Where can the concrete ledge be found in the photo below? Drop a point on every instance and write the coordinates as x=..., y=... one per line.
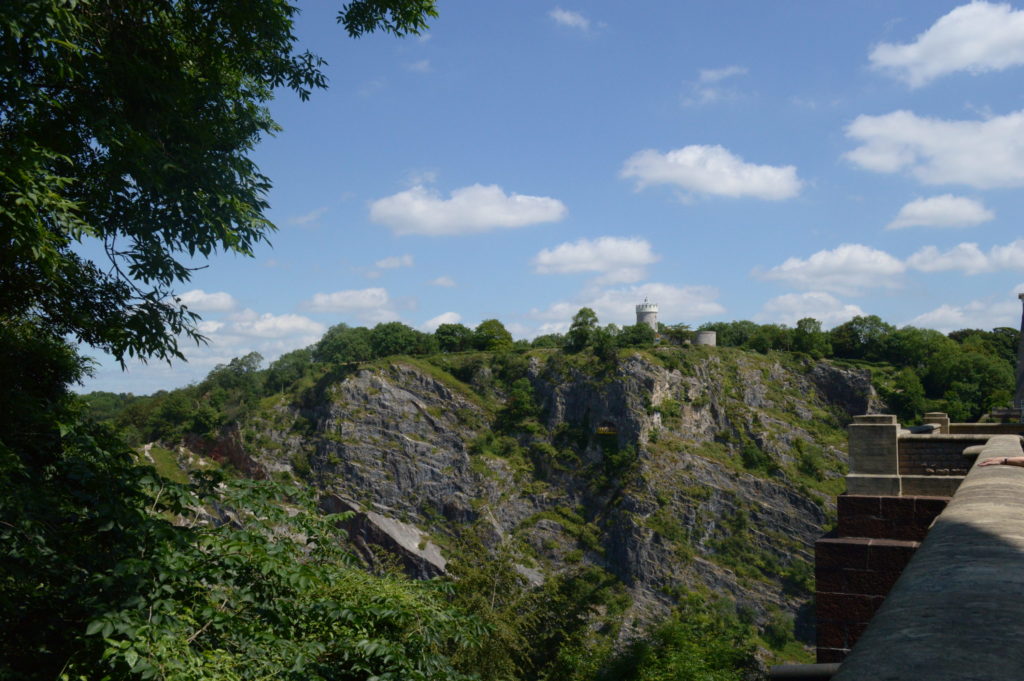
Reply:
x=957, y=611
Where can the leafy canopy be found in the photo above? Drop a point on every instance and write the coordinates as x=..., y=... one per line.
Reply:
x=130, y=124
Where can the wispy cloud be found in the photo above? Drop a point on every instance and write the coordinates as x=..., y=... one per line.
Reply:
x=570, y=19
x=394, y=262
x=310, y=217
x=708, y=88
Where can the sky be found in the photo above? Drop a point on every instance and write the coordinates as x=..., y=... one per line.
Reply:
x=723, y=159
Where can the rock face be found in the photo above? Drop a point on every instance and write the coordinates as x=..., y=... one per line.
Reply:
x=709, y=467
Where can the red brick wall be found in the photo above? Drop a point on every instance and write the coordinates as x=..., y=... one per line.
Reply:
x=856, y=565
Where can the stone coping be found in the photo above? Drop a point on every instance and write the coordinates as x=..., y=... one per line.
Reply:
x=957, y=611
x=944, y=437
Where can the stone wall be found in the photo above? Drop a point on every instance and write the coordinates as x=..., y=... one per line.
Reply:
x=857, y=565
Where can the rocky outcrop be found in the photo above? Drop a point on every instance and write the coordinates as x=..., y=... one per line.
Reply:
x=687, y=468
x=371, y=532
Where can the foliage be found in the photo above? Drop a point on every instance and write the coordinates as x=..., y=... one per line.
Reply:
x=581, y=331
x=702, y=640
x=268, y=594
x=860, y=338
x=550, y=340
x=491, y=335
x=132, y=126
x=454, y=337
x=808, y=337
x=533, y=632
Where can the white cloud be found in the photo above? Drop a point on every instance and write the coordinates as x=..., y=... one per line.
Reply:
x=620, y=260
x=716, y=75
x=942, y=211
x=444, y=318
x=421, y=66
x=208, y=326
x=446, y=282
x=199, y=300
x=394, y=262
x=309, y=217
x=352, y=300
x=706, y=90
x=965, y=257
x=472, y=209
x=712, y=170
x=249, y=323
x=977, y=314
x=848, y=269
x=976, y=37
x=983, y=154
x=564, y=17
x=969, y=258
x=792, y=307
x=675, y=305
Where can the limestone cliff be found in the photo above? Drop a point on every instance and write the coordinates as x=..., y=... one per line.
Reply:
x=672, y=470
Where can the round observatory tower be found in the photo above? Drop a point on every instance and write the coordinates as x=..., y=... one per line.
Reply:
x=647, y=313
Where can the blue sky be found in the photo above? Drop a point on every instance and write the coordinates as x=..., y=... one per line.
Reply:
x=727, y=160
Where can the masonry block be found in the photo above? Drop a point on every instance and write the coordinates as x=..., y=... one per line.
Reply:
x=842, y=552
x=931, y=485
x=874, y=445
x=890, y=555
x=870, y=582
x=872, y=484
x=831, y=634
x=847, y=607
x=831, y=655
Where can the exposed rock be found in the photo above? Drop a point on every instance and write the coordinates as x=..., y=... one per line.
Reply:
x=645, y=471
x=421, y=558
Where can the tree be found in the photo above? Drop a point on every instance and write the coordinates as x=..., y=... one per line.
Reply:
x=343, y=344
x=454, y=337
x=581, y=331
x=491, y=335
x=394, y=338
x=862, y=337
x=676, y=334
x=636, y=336
x=548, y=340
x=808, y=337
x=731, y=334
x=133, y=125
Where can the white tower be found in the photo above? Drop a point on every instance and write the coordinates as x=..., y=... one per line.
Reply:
x=647, y=313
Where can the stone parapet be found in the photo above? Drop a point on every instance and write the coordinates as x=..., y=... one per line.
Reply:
x=957, y=610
